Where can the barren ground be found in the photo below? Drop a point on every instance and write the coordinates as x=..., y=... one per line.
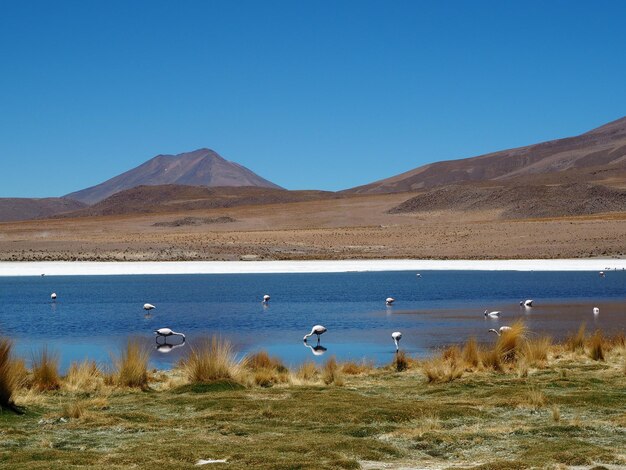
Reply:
x=355, y=227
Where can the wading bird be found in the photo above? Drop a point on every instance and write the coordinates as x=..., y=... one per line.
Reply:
x=526, y=303
x=148, y=306
x=53, y=296
x=165, y=333
x=266, y=299
x=389, y=300
x=316, y=330
x=500, y=330
x=494, y=314
x=596, y=310
x=397, y=336
x=601, y=274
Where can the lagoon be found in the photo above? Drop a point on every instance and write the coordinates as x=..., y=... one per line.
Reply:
x=94, y=315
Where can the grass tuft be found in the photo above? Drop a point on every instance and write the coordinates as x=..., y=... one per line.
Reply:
x=556, y=414
x=491, y=359
x=46, y=370
x=400, y=362
x=73, y=410
x=441, y=370
x=595, y=346
x=509, y=342
x=213, y=359
x=10, y=375
x=331, y=373
x=536, y=398
x=266, y=370
x=576, y=342
x=356, y=368
x=83, y=376
x=132, y=366
x=307, y=372
x=470, y=353
x=535, y=351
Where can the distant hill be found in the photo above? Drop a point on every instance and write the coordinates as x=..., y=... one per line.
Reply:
x=12, y=209
x=602, y=149
x=176, y=198
x=518, y=200
x=201, y=167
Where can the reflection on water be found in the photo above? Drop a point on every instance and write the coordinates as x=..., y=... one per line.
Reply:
x=167, y=348
x=93, y=316
x=317, y=350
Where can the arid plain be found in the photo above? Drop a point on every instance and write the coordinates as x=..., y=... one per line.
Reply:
x=336, y=228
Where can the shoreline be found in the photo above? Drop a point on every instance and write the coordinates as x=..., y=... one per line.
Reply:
x=112, y=268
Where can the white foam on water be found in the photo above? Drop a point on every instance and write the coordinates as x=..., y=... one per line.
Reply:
x=91, y=268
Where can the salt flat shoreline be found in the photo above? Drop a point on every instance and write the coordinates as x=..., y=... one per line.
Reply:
x=94, y=268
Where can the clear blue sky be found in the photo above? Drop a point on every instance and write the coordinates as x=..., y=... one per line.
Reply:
x=309, y=94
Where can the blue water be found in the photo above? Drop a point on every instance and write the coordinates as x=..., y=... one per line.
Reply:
x=94, y=315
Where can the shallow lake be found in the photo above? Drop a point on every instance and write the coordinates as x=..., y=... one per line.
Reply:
x=93, y=316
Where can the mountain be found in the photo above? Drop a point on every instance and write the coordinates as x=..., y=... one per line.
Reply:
x=602, y=149
x=13, y=208
x=201, y=167
x=176, y=198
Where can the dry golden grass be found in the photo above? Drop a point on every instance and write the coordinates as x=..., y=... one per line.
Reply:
x=401, y=362
x=73, y=410
x=45, y=370
x=470, y=353
x=556, y=414
x=331, y=373
x=441, y=370
x=536, y=398
x=211, y=360
x=262, y=360
x=131, y=368
x=83, y=376
x=356, y=368
x=522, y=368
x=9, y=375
x=576, y=343
x=595, y=346
x=535, y=351
x=307, y=372
x=427, y=423
x=491, y=359
x=266, y=371
x=509, y=342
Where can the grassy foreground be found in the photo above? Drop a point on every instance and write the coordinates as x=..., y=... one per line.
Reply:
x=536, y=405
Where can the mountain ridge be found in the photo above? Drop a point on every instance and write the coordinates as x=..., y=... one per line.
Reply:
x=201, y=167
x=604, y=145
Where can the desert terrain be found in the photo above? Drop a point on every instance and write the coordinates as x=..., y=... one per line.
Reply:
x=341, y=228
x=564, y=198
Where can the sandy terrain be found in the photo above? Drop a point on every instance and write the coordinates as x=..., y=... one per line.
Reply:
x=357, y=227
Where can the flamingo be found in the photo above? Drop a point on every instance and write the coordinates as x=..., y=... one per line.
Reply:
x=526, y=303
x=500, y=330
x=397, y=336
x=165, y=332
x=316, y=330
x=596, y=310
x=53, y=296
x=148, y=306
x=389, y=300
x=317, y=350
x=266, y=299
x=494, y=314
